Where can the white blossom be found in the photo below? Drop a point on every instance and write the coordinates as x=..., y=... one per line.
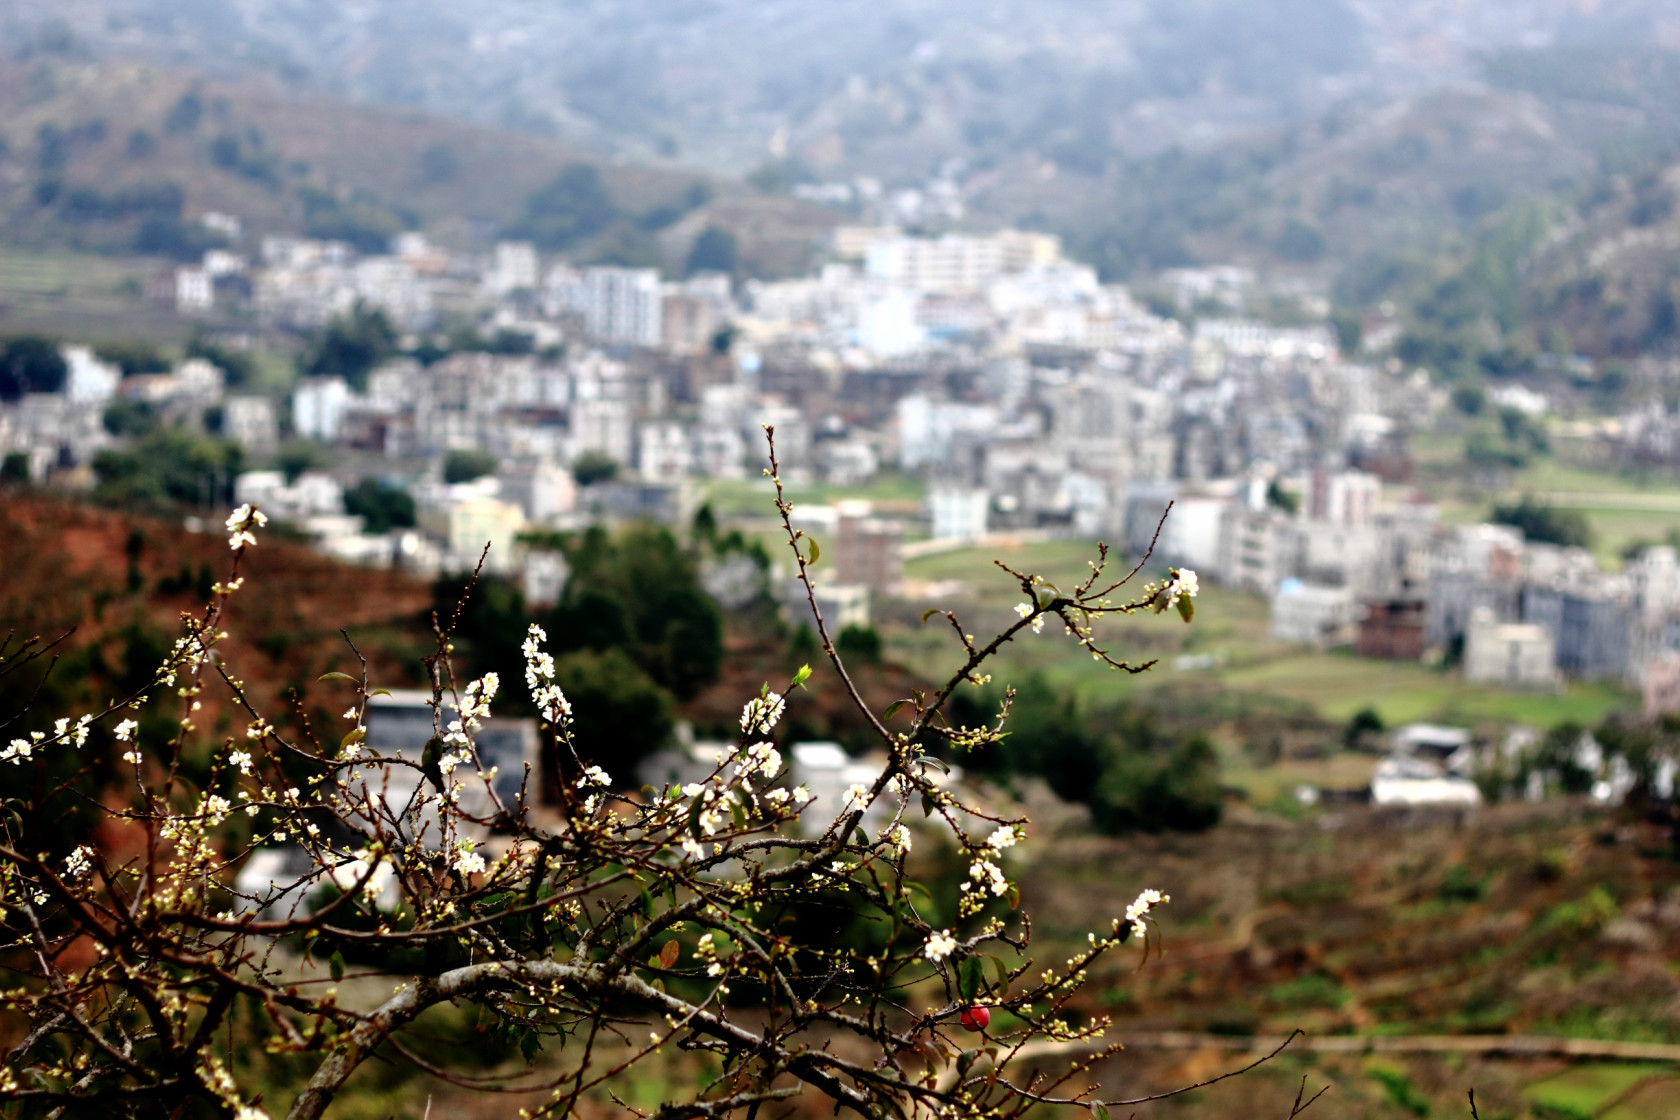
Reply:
x=897, y=838
x=940, y=945
x=539, y=678
x=79, y=862
x=987, y=870
x=857, y=797
x=1140, y=908
x=594, y=776
x=241, y=522
x=467, y=861
x=1183, y=583
x=1005, y=837
x=761, y=758
x=124, y=731
x=241, y=759
x=762, y=713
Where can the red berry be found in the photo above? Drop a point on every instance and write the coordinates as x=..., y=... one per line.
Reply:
x=975, y=1018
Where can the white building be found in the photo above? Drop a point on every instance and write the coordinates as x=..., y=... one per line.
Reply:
x=958, y=262
x=1515, y=655
x=89, y=380
x=1308, y=615
x=617, y=305
x=664, y=452
x=1403, y=780
x=251, y=423
x=887, y=326
x=318, y=405
x=958, y=512
x=513, y=267
x=195, y=290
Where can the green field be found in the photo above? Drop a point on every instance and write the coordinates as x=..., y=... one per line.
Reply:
x=1229, y=625
x=81, y=296
x=755, y=497
x=1622, y=506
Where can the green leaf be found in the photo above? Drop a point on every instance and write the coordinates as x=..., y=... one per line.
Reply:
x=1099, y=1111
x=355, y=736
x=968, y=978
x=938, y=764
x=1013, y=897
x=1000, y=973
x=380, y=692
x=338, y=677
x=927, y=805
x=929, y=613
x=894, y=708
x=801, y=677
x=529, y=1044
x=815, y=553
x=1186, y=607
x=965, y=1061
x=335, y=964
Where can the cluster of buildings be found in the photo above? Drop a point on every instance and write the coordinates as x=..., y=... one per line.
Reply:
x=1021, y=393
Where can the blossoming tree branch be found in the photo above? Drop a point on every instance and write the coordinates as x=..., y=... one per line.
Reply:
x=616, y=927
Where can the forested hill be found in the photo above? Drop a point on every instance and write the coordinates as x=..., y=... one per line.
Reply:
x=122, y=157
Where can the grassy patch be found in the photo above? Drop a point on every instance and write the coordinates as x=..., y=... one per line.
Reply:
x=1230, y=626
x=1583, y=1090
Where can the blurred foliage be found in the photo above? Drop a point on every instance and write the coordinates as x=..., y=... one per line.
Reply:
x=30, y=364
x=1544, y=523
x=462, y=465
x=1117, y=759
x=352, y=346
x=169, y=465
x=381, y=507
x=569, y=209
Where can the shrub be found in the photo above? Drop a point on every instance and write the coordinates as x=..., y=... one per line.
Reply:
x=606, y=928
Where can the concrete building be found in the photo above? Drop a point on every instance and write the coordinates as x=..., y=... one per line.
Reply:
x=251, y=423
x=1343, y=497
x=958, y=512
x=1258, y=549
x=513, y=268
x=318, y=405
x=89, y=380
x=1661, y=687
x=463, y=526
x=1402, y=781
x=1590, y=626
x=1391, y=629
x=1309, y=615
x=1510, y=654
x=868, y=550
x=827, y=771
x=543, y=490
x=195, y=291
x=842, y=604
x=617, y=305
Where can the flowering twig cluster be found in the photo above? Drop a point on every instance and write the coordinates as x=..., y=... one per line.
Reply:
x=607, y=927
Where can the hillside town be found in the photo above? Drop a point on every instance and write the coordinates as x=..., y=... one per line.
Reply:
x=1021, y=395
